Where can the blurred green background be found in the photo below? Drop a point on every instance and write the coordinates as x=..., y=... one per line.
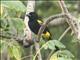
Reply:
x=11, y=23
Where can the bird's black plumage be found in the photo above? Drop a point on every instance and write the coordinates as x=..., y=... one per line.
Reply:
x=35, y=26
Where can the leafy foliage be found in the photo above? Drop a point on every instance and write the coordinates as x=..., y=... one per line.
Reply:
x=10, y=25
x=62, y=55
x=53, y=44
x=12, y=47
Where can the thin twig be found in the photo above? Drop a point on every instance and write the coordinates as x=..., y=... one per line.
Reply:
x=26, y=57
x=50, y=54
x=64, y=33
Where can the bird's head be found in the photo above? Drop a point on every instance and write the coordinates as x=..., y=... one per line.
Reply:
x=32, y=16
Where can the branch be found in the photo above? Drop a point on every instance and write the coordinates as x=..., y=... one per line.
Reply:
x=27, y=31
x=72, y=21
x=57, y=22
x=30, y=8
x=51, y=18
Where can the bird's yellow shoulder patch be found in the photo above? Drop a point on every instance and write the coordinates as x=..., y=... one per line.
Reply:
x=39, y=21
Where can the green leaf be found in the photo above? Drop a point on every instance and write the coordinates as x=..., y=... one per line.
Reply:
x=59, y=44
x=18, y=24
x=3, y=23
x=62, y=58
x=14, y=51
x=62, y=55
x=51, y=45
x=3, y=45
x=54, y=57
x=15, y=5
x=66, y=53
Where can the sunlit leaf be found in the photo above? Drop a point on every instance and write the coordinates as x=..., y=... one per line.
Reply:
x=54, y=57
x=62, y=58
x=3, y=45
x=62, y=55
x=59, y=44
x=66, y=53
x=14, y=51
x=1, y=10
x=53, y=44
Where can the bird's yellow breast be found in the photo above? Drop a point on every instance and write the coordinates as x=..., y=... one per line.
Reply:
x=46, y=35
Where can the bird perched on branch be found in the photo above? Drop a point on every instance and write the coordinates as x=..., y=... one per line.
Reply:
x=35, y=23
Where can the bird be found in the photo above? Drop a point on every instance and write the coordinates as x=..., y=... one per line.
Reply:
x=35, y=23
